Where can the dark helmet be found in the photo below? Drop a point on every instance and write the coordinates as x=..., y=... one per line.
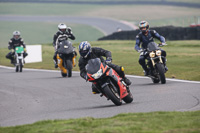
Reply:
x=144, y=24
x=16, y=35
x=84, y=49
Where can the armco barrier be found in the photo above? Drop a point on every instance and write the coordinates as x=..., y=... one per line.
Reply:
x=169, y=32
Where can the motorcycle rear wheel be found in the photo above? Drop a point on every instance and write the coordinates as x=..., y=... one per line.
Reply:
x=112, y=95
x=128, y=98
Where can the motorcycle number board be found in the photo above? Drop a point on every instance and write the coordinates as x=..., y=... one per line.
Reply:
x=19, y=49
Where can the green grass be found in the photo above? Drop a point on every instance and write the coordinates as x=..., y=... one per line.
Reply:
x=183, y=58
x=159, y=122
x=41, y=32
x=121, y=12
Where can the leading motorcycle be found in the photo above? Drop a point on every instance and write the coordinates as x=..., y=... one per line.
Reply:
x=108, y=82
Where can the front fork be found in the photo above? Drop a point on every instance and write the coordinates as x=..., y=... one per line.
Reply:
x=153, y=62
x=19, y=57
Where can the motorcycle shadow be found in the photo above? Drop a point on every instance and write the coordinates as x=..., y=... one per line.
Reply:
x=110, y=106
x=146, y=84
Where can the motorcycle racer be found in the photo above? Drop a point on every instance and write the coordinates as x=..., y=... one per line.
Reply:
x=87, y=52
x=144, y=38
x=15, y=41
x=63, y=33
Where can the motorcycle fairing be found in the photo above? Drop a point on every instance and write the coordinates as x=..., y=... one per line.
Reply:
x=122, y=88
x=60, y=64
x=104, y=69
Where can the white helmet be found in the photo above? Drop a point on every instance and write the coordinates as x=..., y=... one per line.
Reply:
x=62, y=27
x=16, y=35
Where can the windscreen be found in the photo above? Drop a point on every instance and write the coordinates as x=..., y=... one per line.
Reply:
x=65, y=47
x=152, y=46
x=93, y=65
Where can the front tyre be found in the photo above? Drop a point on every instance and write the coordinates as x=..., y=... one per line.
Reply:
x=20, y=65
x=112, y=95
x=161, y=71
x=69, y=68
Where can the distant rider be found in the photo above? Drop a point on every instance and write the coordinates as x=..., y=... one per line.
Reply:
x=15, y=41
x=145, y=37
x=63, y=33
x=87, y=52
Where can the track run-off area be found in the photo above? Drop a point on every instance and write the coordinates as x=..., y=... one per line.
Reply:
x=35, y=95
x=105, y=25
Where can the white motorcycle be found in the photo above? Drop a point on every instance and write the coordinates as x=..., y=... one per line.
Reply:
x=19, y=58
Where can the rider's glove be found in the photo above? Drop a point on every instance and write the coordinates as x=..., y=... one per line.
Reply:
x=140, y=51
x=24, y=49
x=69, y=30
x=162, y=44
x=108, y=60
x=12, y=50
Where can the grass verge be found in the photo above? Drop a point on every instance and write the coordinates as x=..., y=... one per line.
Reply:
x=167, y=122
x=183, y=58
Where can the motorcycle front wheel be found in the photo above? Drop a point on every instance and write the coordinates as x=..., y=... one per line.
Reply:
x=161, y=71
x=20, y=65
x=69, y=68
x=112, y=95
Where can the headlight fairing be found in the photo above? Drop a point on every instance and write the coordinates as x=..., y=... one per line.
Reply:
x=152, y=54
x=158, y=52
x=98, y=74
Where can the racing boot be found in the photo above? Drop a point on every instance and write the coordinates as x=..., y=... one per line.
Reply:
x=55, y=61
x=146, y=72
x=56, y=64
x=12, y=61
x=126, y=80
x=166, y=68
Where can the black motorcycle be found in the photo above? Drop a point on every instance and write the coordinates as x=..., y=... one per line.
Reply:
x=155, y=63
x=65, y=56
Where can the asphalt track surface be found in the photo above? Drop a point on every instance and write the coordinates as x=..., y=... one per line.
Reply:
x=105, y=25
x=35, y=95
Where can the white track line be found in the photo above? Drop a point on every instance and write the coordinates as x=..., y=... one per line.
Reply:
x=132, y=76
